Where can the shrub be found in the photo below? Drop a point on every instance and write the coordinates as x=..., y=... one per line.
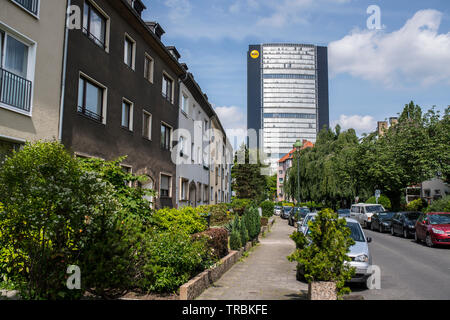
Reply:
x=264, y=221
x=239, y=205
x=219, y=213
x=53, y=210
x=323, y=254
x=383, y=200
x=416, y=205
x=174, y=258
x=186, y=219
x=235, y=240
x=243, y=233
x=267, y=208
x=217, y=241
x=441, y=205
x=253, y=222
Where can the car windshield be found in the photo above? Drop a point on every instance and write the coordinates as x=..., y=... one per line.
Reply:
x=375, y=208
x=356, y=234
x=343, y=211
x=304, y=210
x=441, y=218
x=277, y=207
x=412, y=215
x=287, y=208
x=386, y=215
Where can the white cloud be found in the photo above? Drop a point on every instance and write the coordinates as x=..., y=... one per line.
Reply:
x=361, y=124
x=179, y=9
x=414, y=54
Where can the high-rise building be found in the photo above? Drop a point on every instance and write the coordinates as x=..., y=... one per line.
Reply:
x=287, y=95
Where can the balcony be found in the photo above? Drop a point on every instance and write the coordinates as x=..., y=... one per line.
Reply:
x=15, y=91
x=30, y=5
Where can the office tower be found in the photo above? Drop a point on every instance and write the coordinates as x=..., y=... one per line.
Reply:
x=287, y=95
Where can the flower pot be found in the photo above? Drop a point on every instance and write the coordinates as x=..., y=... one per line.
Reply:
x=322, y=290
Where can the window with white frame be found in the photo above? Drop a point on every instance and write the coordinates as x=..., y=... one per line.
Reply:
x=31, y=6
x=167, y=88
x=185, y=103
x=184, y=189
x=127, y=114
x=146, y=125
x=15, y=83
x=95, y=24
x=148, y=68
x=166, y=136
x=129, y=51
x=165, y=185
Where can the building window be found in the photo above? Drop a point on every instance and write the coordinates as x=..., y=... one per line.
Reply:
x=184, y=189
x=90, y=99
x=192, y=152
x=147, y=125
x=165, y=185
x=148, y=68
x=94, y=25
x=181, y=145
x=166, y=132
x=185, y=103
x=167, y=88
x=15, y=88
x=127, y=115
x=128, y=170
x=30, y=5
x=129, y=51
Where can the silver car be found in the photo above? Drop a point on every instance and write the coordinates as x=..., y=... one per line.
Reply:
x=303, y=227
x=359, y=253
x=277, y=210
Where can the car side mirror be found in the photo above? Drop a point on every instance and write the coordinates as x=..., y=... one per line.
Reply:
x=369, y=239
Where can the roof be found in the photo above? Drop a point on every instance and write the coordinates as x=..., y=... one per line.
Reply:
x=290, y=155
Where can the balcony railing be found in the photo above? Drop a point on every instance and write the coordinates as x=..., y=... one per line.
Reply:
x=90, y=114
x=30, y=5
x=15, y=91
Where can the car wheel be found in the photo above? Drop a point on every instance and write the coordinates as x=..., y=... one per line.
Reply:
x=428, y=241
x=405, y=233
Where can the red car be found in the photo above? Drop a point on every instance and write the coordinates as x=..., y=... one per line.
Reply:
x=433, y=228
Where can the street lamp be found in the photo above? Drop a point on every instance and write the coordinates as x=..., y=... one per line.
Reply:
x=297, y=146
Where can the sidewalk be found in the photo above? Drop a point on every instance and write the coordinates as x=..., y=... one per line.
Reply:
x=265, y=274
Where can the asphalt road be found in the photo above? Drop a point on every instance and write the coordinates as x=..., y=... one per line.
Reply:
x=408, y=270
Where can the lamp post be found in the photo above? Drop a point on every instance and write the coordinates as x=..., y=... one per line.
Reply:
x=297, y=146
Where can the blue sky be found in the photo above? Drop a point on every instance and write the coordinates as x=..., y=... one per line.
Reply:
x=373, y=73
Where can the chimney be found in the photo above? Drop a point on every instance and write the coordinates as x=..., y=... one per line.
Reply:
x=174, y=52
x=393, y=121
x=185, y=67
x=382, y=127
x=156, y=28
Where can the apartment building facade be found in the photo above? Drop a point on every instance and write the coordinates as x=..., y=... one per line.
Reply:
x=193, y=158
x=287, y=92
x=284, y=164
x=31, y=64
x=122, y=93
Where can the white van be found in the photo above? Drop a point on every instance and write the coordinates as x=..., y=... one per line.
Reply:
x=362, y=212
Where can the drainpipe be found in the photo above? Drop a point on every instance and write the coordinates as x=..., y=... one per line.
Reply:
x=63, y=81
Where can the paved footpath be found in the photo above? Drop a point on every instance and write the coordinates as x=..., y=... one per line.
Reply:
x=265, y=274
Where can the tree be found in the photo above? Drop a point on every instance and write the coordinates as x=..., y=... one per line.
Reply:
x=248, y=182
x=271, y=187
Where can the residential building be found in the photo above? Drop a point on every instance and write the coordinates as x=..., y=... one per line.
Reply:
x=192, y=172
x=31, y=65
x=221, y=155
x=430, y=190
x=122, y=93
x=284, y=164
x=287, y=92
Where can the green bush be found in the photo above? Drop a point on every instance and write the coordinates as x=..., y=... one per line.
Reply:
x=383, y=200
x=186, y=219
x=217, y=240
x=253, y=222
x=239, y=205
x=267, y=208
x=416, y=205
x=441, y=205
x=323, y=254
x=53, y=211
x=219, y=213
x=243, y=232
x=235, y=240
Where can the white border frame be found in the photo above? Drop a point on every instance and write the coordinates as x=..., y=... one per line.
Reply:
x=133, y=51
x=162, y=173
x=105, y=94
x=28, y=11
x=107, y=18
x=150, y=125
x=131, y=120
x=152, y=66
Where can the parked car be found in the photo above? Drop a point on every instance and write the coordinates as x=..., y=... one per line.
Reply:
x=304, y=225
x=343, y=213
x=362, y=212
x=286, y=212
x=297, y=215
x=361, y=258
x=404, y=223
x=277, y=210
x=433, y=228
x=381, y=221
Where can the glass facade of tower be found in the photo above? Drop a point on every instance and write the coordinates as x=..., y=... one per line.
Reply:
x=292, y=106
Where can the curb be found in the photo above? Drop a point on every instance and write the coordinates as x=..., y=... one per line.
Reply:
x=195, y=287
